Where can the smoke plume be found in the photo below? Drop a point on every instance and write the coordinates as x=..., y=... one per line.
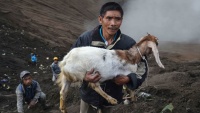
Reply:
x=169, y=20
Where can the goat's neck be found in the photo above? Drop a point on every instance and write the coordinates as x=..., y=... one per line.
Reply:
x=134, y=55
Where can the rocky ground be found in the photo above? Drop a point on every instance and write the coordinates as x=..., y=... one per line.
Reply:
x=177, y=84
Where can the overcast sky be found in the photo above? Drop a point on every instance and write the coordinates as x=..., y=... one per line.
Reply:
x=169, y=20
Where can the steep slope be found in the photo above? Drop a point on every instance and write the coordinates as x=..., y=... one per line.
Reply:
x=44, y=27
x=59, y=22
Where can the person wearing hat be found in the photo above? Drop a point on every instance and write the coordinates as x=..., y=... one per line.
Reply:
x=55, y=69
x=29, y=92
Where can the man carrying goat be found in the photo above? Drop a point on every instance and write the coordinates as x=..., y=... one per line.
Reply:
x=107, y=36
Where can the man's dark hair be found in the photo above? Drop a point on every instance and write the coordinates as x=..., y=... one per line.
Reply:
x=110, y=6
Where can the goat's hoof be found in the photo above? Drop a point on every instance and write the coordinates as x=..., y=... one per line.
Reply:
x=63, y=111
x=113, y=101
x=133, y=99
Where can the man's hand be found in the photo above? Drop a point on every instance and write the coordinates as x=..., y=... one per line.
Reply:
x=121, y=79
x=32, y=103
x=90, y=76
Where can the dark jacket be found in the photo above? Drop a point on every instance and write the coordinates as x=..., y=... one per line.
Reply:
x=122, y=42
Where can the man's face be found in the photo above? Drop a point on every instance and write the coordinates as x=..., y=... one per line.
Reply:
x=56, y=61
x=110, y=22
x=27, y=80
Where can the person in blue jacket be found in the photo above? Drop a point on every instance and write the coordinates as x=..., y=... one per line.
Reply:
x=107, y=35
x=33, y=59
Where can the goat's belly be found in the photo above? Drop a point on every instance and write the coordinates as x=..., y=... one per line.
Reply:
x=109, y=76
x=109, y=72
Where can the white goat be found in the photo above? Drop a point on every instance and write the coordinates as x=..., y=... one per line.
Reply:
x=109, y=63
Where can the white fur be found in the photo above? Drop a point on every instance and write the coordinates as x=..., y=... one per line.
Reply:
x=80, y=60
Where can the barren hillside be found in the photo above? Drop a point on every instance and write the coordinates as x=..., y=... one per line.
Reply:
x=59, y=22
x=48, y=28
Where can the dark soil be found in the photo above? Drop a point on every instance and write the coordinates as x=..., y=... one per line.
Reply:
x=178, y=83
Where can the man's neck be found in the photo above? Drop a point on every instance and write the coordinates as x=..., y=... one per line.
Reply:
x=107, y=37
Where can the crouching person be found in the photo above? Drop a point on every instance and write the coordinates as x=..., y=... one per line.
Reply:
x=29, y=92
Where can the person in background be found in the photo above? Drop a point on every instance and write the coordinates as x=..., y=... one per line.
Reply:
x=29, y=92
x=33, y=59
x=55, y=69
x=108, y=36
x=5, y=82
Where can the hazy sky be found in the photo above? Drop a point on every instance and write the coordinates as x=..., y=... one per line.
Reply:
x=169, y=20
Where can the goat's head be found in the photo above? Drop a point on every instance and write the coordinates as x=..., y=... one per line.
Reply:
x=150, y=44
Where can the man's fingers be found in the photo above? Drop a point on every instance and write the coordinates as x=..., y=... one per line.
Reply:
x=91, y=71
x=97, y=77
x=120, y=80
x=92, y=76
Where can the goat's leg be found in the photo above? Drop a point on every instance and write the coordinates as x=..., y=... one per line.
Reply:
x=132, y=95
x=97, y=88
x=63, y=94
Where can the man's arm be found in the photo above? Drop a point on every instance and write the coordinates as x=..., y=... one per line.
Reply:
x=53, y=67
x=19, y=95
x=131, y=80
x=36, y=97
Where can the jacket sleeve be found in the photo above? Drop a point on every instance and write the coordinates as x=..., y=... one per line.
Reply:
x=83, y=40
x=77, y=43
x=52, y=68
x=38, y=91
x=136, y=81
x=19, y=95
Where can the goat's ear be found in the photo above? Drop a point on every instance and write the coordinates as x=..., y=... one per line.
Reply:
x=154, y=49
